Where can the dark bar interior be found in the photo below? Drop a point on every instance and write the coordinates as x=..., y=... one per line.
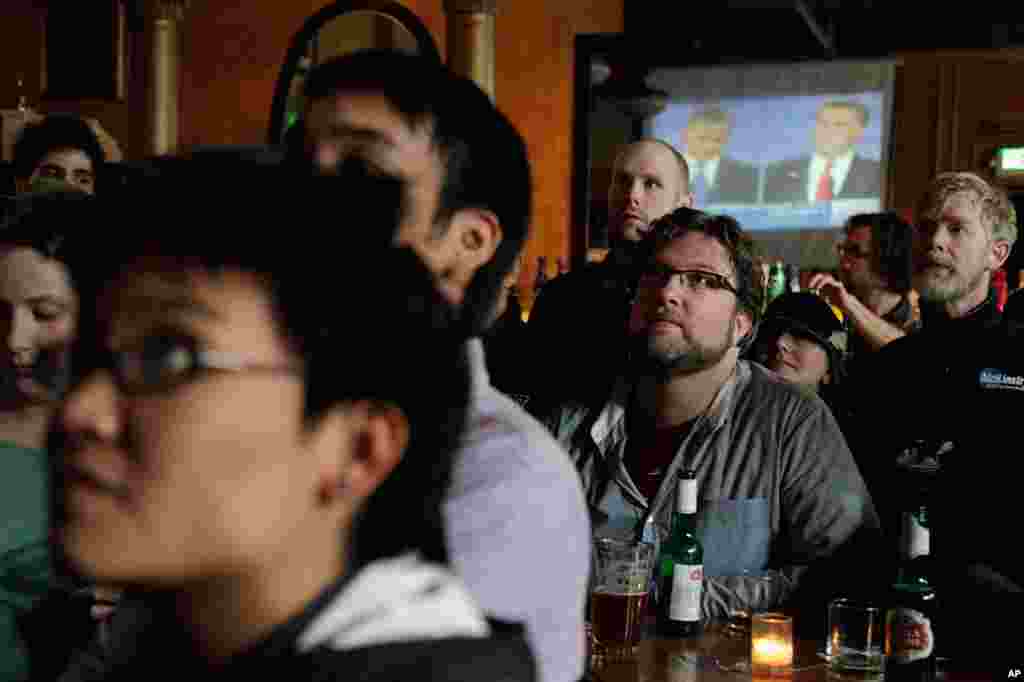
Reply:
x=578, y=341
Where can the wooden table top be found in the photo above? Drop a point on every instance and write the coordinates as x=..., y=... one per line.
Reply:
x=715, y=657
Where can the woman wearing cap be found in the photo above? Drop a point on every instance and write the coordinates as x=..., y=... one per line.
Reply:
x=803, y=341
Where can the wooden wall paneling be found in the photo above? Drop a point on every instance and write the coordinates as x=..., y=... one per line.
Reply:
x=534, y=64
x=84, y=44
x=123, y=118
x=991, y=111
x=952, y=110
x=950, y=117
x=233, y=53
x=922, y=127
x=22, y=51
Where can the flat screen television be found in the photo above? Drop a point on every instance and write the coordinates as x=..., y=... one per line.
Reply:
x=791, y=150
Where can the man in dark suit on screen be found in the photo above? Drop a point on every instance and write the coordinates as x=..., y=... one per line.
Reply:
x=715, y=179
x=834, y=171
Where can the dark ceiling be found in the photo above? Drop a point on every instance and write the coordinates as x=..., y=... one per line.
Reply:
x=727, y=30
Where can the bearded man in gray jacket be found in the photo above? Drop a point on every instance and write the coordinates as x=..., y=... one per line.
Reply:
x=778, y=487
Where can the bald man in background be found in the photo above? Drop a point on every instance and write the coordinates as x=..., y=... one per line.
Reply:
x=577, y=325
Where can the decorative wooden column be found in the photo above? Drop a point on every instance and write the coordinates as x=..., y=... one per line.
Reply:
x=164, y=18
x=471, y=40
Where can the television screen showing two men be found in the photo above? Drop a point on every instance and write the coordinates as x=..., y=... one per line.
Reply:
x=792, y=147
x=784, y=162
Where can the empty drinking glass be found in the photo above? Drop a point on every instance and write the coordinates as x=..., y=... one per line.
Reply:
x=856, y=639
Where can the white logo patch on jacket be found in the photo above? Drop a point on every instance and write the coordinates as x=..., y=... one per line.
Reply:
x=994, y=378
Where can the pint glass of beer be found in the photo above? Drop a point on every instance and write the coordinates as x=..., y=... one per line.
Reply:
x=618, y=597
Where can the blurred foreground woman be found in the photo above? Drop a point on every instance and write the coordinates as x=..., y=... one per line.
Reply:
x=255, y=449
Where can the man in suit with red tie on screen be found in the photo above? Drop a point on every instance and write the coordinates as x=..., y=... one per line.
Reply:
x=834, y=171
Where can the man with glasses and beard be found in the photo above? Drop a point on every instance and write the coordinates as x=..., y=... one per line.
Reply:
x=779, y=489
x=873, y=288
x=936, y=411
x=964, y=233
x=577, y=324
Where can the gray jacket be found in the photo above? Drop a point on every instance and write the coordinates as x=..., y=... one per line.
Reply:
x=778, y=486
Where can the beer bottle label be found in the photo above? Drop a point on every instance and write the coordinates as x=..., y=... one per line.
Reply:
x=917, y=536
x=910, y=635
x=686, y=501
x=686, y=586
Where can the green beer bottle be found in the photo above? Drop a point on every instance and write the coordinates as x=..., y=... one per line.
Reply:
x=910, y=618
x=776, y=281
x=682, y=566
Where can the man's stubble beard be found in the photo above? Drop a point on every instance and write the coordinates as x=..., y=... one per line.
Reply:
x=950, y=290
x=665, y=363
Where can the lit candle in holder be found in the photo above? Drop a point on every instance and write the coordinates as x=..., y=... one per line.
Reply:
x=772, y=652
x=771, y=643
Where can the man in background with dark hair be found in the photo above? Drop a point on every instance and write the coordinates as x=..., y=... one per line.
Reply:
x=515, y=517
x=577, y=324
x=779, y=488
x=835, y=170
x=60, y=147
x=714, y=178
x=873, y=289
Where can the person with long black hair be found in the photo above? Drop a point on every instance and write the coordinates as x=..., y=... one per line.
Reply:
x=38, y=317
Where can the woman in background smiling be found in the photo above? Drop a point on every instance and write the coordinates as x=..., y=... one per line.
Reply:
x=38, y=315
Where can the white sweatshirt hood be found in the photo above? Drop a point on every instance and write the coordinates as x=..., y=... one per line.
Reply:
x=396, y=600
